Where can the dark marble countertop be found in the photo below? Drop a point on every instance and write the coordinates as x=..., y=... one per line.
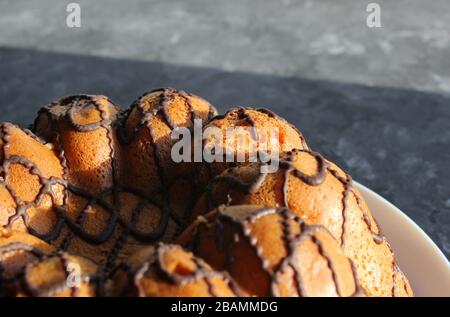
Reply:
x=377, y=102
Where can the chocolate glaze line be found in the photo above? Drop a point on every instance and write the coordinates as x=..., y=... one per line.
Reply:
x=272, y=114
x=63, y=161
x=22, y=277
x=212, y=110
x=86, y=127
x=308, y=231
x=61, y=286
x=346, y=182
x=396, y=270
x=359, y=290
x=200, y=273
x=148, y=118
x=244, y=115
x=15, y=247
x=191, y=111
x=292, y=242
x=246, y=232
x=207, y=279
x=250, y=187
x=34, y=136
x=312, y=180
x=165, y=101
x=378, y=237
x=288, y=237
x=265, y=111
x=330, y=263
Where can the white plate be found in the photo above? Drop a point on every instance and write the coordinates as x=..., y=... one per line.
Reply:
x=426, y=267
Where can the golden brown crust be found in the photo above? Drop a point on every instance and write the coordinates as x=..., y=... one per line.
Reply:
x=253, y=130
x=31, y=267
x=321, y=193
x=168, y=270
x=17, y=249
x=61, y=275
x=100, y=185
x=146, y=136
x=80, y=127
x=272, y=252
x=30, y=182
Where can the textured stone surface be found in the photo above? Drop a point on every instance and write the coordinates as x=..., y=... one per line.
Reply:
x=375, y=101
x=324, y=39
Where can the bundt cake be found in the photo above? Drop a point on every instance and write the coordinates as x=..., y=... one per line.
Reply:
x=91, y=184
x=99, y=182
x=321, y=193
x=168, y=270
x=272, y=252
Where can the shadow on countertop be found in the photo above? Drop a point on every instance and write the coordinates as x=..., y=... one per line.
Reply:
x=395, y=141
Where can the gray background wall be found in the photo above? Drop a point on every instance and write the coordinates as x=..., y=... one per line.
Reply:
x=375, y=100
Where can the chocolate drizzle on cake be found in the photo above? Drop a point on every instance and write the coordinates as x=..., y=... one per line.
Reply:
x=234, y=183
x=243, y=113
x=286, y=164
x=156, y=262
x=6, y=282
x=21, y=280
x=69, y=108
x=242, y=226
x=152, y=108
x=397, y=272
x=93, y=281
